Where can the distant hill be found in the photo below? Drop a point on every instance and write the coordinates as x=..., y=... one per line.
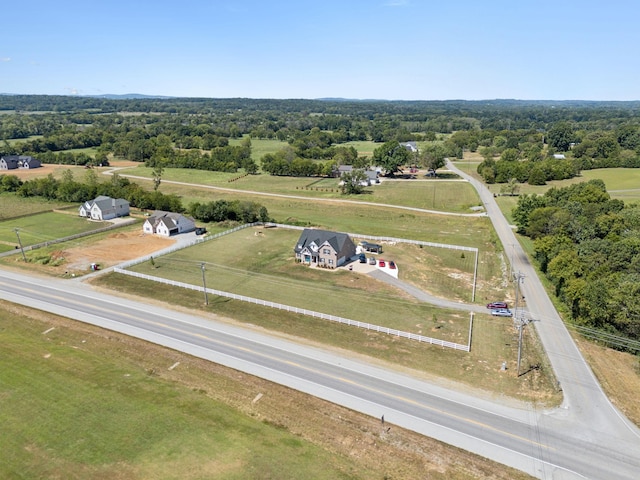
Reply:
x=127, y=96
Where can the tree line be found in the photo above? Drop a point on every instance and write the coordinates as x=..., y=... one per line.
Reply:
x=68, y=189
x=588, y=245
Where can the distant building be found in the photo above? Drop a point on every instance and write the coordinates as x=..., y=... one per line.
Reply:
x=11, y=162
x=410, y=146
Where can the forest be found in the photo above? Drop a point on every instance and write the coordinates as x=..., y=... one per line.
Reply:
x=531, y=142
x=587, y=244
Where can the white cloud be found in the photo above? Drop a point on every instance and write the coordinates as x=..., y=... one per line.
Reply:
x=5, y=59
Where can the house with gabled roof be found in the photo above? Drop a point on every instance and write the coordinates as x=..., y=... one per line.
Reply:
x=11, y=162
x=28, y=162
x=168, y=224
x=410, y=146
x=324, y=248
x=104, y=208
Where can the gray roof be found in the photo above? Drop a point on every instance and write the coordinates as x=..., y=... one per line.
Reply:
x=318, y=237
x=168, y=218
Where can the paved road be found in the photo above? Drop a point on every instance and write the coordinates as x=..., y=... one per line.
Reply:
x=533, y=441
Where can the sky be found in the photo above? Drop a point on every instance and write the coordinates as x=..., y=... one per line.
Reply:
x=358, y=49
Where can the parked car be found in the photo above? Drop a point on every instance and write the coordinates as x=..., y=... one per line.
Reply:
x=495, y=305
x=392, y=265
x=372, y=261
x=381, y=263
x=501, y=312
x=363, y=258
x=201, y=231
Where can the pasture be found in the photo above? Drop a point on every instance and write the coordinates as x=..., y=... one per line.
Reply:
x=439, y=194
x=79, y=403
x=44, y=227
x=14, y=206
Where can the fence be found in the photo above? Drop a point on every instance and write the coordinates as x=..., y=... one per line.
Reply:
x=70, y=237
x=302, y=311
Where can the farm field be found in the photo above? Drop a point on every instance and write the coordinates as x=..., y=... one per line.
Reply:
x=438, y=194
x=263, y=267
x=43, y=227
x=14, y=206
x=82, y=402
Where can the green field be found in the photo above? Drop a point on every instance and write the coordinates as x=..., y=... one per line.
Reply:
x=438, y=194
x=14, y=206
x=44, y=227
x=263, y=267
x=77, y=405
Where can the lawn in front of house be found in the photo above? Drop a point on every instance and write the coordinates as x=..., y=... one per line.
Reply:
x=263, y=266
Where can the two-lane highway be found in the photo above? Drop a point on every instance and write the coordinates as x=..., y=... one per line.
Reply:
x=532, y=441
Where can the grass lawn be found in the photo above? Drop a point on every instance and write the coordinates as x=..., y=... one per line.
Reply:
x=263, y=267
x=14, y=206
x=443, y=195
x=260, y=147
x=45, y=227
x=80, y=405
x=494, y=341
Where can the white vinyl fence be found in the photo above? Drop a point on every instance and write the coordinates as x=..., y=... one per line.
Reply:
x=302, y=311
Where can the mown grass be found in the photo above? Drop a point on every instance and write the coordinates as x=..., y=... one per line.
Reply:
x=264, y=267
x=45, y=227
x=494, y=341
x=442, y=195
x=76, y=405
x=13, y=206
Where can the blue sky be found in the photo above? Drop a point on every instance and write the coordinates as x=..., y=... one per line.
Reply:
x=382, y=49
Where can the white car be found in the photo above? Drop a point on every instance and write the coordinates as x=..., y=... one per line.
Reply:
x=501, y=312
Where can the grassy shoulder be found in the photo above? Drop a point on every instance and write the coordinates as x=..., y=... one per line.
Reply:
x=81, y=402
x=494, y=341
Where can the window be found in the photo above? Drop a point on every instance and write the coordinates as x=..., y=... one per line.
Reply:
x=331, y=261
x=326, y=251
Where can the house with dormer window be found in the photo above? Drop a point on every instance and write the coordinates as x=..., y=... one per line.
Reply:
x=324, y=248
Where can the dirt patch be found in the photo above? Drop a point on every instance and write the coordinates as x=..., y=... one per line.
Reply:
x=109, y=251
x=56, y=170
x=114, y=249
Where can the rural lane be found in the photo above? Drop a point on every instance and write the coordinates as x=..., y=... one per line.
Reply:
x=585, y=403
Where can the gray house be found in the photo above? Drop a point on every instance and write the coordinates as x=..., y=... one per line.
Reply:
x=324, y=248
x=11, y=162
x=104, y=208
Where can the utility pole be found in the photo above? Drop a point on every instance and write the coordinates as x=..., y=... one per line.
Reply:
x=204, y=284
x=521, y=321
x=20, y=243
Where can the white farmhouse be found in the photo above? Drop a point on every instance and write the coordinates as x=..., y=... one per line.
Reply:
x=167, y=224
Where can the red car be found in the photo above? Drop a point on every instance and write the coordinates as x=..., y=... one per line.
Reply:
x=381, y=263
x=497, y=305
x=392, y=265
